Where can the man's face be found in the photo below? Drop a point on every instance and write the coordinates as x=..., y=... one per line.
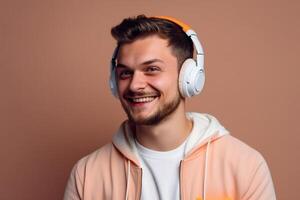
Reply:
x=147, y=78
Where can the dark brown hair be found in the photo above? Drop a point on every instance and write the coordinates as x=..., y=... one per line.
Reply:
x=131, y=29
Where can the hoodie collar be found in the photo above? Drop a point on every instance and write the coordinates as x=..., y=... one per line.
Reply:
x=124, y=141
x=205, y=128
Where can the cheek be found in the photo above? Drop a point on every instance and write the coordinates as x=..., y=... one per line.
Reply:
x=121, y=85
x=168, y=84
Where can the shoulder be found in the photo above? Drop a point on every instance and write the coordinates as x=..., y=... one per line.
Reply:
x=246, y=164
x=237, y=150
x=92, y=173
x=99, y=160
x=238, y=158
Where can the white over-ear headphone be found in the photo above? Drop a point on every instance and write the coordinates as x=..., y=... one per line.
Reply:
x=191, y=76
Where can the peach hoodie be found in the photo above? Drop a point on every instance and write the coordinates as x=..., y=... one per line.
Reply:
x=216, y=166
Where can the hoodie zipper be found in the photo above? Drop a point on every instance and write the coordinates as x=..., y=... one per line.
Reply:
x=139, y=192
x=180, y=180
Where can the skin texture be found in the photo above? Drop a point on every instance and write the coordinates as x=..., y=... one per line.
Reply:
x=147, y=78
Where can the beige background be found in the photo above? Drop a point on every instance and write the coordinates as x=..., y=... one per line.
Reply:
x=56, y=106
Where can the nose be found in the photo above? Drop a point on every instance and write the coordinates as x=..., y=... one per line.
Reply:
x=138, y=82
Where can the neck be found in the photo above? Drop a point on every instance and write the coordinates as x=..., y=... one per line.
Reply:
x=167, y=134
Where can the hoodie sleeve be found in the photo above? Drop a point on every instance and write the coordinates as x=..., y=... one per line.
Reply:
x=260, y=185
x=74, y=188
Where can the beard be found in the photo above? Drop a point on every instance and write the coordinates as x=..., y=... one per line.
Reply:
x=159, y=115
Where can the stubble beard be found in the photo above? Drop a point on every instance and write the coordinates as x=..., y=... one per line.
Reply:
x=162, y=113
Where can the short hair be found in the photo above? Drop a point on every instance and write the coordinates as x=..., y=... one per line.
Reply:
x=133, y=28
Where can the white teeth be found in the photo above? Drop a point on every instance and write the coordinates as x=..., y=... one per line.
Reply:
x=143, y=99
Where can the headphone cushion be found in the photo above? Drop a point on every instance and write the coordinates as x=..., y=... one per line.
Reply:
x=113, y=83
x=191, y=78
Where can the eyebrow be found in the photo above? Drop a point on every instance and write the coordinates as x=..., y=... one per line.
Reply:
x=148, y=62
x=152, y=61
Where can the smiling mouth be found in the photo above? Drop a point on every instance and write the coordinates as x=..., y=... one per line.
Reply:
x=141, y=99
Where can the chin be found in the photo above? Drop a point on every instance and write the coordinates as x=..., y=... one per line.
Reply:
x=143, y=120
x=152, y=119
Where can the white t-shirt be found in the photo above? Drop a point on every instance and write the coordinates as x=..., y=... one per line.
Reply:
x=160, y=179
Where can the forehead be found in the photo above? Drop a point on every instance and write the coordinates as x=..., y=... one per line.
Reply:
x=143, y=49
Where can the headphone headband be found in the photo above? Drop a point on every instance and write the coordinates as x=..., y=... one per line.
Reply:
x=184, y=26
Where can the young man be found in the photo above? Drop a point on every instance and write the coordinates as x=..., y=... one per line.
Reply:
x=162, y=152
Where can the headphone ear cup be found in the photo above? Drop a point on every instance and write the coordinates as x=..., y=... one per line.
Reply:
x=191, y=78
x=113, y=83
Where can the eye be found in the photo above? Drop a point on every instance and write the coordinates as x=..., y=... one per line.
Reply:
x=152, y=69
x=124, y=74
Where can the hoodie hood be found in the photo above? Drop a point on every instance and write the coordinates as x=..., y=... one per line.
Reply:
x=206, y=128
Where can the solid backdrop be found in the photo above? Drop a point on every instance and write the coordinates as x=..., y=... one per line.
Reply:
x=56, y=106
